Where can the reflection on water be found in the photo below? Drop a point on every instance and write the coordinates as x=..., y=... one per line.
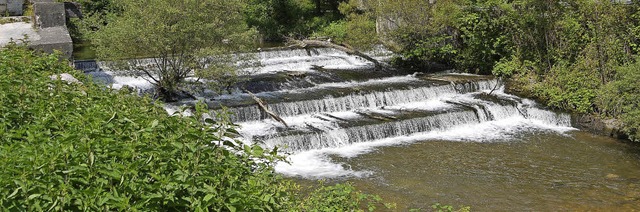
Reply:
x=537, y=172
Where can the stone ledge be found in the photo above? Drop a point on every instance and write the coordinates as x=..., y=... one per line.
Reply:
x=54, y=38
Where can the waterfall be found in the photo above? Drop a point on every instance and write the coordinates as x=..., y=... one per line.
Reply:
x=361, y=117
x=358, y=100
x=346, y=136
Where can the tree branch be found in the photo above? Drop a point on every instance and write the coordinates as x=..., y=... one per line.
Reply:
x=264, y=108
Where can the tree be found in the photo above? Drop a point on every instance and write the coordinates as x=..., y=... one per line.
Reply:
x=181, y=39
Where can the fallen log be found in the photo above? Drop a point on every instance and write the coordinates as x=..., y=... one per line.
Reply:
x=305, y=44
x=263, y=107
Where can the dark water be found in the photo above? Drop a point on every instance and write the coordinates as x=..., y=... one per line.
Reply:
x=83, y=51
x=537, y=172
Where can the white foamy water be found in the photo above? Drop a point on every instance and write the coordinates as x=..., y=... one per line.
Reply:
x=303, y=60
x=317, y=164
x=117, y=81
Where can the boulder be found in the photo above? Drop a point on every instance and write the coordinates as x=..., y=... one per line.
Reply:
x=66, y=77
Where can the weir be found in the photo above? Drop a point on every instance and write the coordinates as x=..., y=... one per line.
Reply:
x=344, y=107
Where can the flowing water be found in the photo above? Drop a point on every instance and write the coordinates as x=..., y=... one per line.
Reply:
x=417, y=139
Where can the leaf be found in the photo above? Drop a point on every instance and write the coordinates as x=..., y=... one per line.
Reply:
x=231, y=208
x=91, y=158
x=154, y=124
x=112, y=117
x=257, y=150
x=208, y=197
x=14, y=193
x=33, y=196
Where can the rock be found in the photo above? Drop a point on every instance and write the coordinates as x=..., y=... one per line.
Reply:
x=613, y=176
x=66, y=77
x=597, y=125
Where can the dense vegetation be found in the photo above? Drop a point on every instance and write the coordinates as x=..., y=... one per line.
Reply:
x=277, y=19
x=67, y=146
x=574, y=55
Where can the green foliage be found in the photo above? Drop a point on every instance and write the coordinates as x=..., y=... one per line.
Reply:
x=333, y=198
x=507, y=67
x=82, y=147
x=177, y=35
x=277, y=19
x=355, y=30
x=569, y=88
x=621, y=98
x=96, y=14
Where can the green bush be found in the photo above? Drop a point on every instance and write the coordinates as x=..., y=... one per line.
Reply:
x=342, y=197
x=82, y=147
x=570, y=88
x=621, y=98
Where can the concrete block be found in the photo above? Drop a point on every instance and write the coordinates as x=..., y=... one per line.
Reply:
x=54, y=38
x=11, y=7
x=49, y=15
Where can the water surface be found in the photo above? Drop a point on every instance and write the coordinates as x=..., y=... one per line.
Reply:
x=536, y=172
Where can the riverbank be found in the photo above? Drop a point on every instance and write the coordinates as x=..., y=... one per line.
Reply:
x=590, y=122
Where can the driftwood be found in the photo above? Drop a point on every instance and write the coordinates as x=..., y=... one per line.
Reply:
x=305, y=44
x=334, y=117
x=264, y=108
x=377, y=117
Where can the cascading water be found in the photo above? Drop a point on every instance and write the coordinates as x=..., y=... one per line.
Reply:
x=335, y=104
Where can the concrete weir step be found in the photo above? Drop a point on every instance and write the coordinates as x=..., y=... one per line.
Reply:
x=369, y=127
x=327, y=99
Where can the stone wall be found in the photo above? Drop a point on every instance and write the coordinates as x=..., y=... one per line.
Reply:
x=11, y=7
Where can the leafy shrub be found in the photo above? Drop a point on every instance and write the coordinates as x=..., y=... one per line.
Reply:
x=333, y=198
x=621, y=98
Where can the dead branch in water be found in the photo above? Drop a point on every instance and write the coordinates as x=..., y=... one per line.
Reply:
x=264, y=108
x=498, y=81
